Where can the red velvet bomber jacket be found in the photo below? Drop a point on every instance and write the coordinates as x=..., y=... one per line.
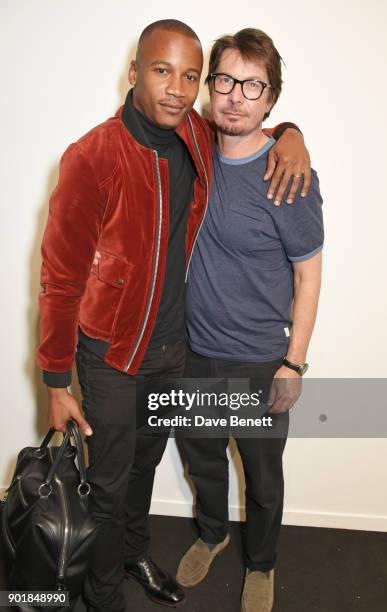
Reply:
x=112, y=196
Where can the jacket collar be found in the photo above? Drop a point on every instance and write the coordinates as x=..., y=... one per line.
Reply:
x=185, y=130
x=142, y=129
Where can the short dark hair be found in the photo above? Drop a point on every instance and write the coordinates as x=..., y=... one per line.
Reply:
x=170, y=25
x=252, y=44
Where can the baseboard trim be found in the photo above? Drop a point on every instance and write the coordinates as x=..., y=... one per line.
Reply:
x=300, y=518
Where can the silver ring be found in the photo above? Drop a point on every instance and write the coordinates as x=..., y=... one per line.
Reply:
x=45, y=484
x=88, y=488
x=297, y=175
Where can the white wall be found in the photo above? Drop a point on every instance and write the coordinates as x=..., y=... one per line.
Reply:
x=64, y=66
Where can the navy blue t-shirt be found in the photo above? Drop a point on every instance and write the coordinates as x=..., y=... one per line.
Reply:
x=240, y=282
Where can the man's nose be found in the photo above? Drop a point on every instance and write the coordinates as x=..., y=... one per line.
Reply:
x=175, y=86
x=236, y=95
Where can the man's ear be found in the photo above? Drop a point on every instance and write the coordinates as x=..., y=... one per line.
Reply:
x=272, y=101
x=133, y=73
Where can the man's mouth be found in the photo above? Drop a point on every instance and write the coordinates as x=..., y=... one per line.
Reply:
x=232, y=114
x=172, y=108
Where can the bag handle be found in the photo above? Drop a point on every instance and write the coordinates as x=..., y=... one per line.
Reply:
x=41, y=451
x=84, y=487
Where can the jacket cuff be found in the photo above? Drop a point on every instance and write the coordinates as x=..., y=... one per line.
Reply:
x=279, y=129
x=58, y=380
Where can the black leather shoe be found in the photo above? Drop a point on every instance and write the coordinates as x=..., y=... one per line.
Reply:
x=159, y=586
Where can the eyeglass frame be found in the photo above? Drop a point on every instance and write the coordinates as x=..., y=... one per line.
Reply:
x=213, y=76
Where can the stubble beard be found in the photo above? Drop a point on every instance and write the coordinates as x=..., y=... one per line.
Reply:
x=230, y=129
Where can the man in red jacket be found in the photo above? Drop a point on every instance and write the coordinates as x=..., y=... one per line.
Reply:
x=136, y=189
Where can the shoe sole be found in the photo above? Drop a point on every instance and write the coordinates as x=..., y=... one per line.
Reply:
x=164, y=603
x=194, y=584
x=153, y=598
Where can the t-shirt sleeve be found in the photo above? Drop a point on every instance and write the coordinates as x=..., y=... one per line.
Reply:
x=300, y=225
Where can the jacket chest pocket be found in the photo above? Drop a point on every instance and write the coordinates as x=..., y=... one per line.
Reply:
x=105, y=289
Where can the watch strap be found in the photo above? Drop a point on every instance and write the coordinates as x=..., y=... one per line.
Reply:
x=296, y=367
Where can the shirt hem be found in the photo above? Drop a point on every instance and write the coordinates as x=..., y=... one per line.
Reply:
x=307, y=256
x=242, y=358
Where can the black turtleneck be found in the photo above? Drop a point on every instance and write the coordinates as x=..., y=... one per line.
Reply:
x=169, y=326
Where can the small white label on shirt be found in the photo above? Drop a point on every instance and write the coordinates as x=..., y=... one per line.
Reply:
x=287, y=332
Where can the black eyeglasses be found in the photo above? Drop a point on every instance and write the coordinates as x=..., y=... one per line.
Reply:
x=252, y=89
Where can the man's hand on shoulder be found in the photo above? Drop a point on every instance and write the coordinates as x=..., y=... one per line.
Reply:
x=288, y=162
x=62, y=406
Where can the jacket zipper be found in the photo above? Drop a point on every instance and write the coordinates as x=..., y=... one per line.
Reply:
x=66, y=532
x=156, y=264
x=160, y=201
x=205, y=210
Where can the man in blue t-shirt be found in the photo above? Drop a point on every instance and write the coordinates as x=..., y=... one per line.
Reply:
x=252, y=297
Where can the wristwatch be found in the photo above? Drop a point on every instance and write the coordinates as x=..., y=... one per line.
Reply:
x=301, y=369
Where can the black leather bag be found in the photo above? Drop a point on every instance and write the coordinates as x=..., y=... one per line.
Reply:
x=47, y=528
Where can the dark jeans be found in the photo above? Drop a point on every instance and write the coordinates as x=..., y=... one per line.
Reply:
x=262, y=464
x=121, y=464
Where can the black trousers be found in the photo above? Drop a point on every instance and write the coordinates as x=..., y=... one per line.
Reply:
x=262, y=463
x=121, y=464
